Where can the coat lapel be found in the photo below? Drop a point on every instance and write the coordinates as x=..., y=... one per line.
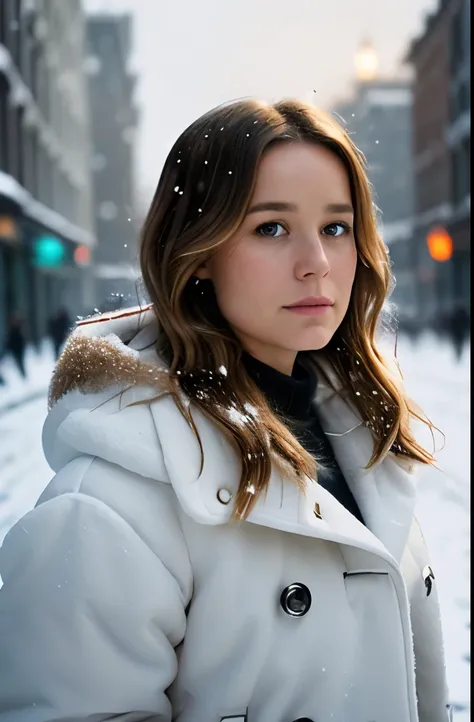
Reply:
x=284, y=507
x=386, y=492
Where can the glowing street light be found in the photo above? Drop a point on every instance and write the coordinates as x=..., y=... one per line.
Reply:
x=366, y=62
x=440, y=244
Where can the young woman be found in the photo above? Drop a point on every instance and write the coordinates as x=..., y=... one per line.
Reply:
x=230, y=531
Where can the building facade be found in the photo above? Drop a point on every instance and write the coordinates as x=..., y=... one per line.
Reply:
x=441, y=147
x=458, y=139
x=45, y=188
x=114, y=120
x=378, y=118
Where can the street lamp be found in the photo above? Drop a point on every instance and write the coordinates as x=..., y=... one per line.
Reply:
x=440, y=244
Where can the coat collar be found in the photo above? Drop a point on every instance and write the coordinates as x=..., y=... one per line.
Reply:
x=385, y=493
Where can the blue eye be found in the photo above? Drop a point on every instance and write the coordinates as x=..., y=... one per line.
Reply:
x=272, y=230
x=336, y=229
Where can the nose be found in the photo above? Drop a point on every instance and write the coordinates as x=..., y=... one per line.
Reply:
x=311, y=259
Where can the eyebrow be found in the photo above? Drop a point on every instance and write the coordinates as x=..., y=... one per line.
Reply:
x=340, y=208
x=272, y=206
x=281, y=206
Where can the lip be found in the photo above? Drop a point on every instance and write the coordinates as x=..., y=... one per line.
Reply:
x=311, y=306
x=312, y=301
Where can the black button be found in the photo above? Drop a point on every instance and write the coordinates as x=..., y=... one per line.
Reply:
x=303, y=719
x=296, y=601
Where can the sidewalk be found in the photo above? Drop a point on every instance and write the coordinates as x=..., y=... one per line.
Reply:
x=39, y=367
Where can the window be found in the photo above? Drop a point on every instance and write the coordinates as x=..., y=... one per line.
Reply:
x=10, y=18
x=42, y=192
x=3, y=23
x=34, y=63
x=466, y=151
x=27, y=153
x=457, y=40
x=463, y=96
x=453, y=104
x=15, y=31
x=18, y=120
x=4, y=90
x=460, y=100
x=34, y=163
x=461, y=175
x=13, y=138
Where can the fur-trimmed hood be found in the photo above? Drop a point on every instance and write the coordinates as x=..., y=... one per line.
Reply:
x=99, y=354
x=108, y=364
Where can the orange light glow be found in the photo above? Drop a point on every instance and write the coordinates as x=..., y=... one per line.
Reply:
x=440, y=244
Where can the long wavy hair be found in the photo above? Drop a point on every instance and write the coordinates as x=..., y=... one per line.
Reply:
x=198, y=206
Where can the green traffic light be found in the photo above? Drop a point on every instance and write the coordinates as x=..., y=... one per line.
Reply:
x=49, y=252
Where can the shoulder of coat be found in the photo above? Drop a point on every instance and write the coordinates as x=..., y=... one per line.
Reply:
x=100, y=353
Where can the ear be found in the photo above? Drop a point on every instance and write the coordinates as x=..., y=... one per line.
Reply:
x=203, y=272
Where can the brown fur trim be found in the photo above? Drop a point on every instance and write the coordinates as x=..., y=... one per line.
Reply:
x=91, y=365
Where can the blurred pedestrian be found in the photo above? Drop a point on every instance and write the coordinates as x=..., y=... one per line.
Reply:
x=16, y=342
x=59, y=327
x=458, y=329
x=2, y=355
x=185, y=564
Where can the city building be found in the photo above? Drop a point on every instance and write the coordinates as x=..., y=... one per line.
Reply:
x=440, y=58
x=378, y=118
x=114, y=120
x=46, y=222
x=458, y=138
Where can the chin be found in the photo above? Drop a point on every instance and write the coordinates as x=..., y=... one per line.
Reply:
x=316, y=340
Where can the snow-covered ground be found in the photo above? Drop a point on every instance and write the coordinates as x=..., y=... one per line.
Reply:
x=442, y=389
x=439, y=385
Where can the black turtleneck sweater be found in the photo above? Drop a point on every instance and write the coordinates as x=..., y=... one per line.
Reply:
x=293, y=397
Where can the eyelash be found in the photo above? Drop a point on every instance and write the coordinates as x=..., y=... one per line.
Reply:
x=343, y=224
x=269, y=223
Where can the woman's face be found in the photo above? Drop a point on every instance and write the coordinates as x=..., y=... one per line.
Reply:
x=295, y=247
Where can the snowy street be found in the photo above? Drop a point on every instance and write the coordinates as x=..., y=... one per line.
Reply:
x=438, y=384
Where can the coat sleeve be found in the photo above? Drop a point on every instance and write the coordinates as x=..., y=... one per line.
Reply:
x=93, y=600
x=428, y=643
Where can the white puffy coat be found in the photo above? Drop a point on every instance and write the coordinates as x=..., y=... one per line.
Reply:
x=129, y=595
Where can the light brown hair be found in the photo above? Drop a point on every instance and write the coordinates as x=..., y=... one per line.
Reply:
x=199, y=205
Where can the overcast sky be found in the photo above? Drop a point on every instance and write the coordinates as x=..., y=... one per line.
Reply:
x=194, y=54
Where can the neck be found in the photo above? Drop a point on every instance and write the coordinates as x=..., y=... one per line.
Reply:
x=281, y=360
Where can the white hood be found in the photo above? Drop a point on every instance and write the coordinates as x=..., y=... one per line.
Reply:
x=104, y=355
